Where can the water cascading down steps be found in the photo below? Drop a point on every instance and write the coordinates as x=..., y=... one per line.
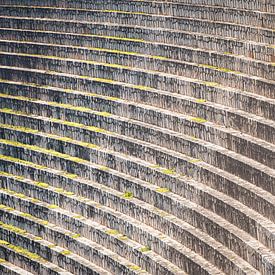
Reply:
x=137, y=137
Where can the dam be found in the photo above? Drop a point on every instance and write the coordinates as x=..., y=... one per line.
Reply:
x=137, y=137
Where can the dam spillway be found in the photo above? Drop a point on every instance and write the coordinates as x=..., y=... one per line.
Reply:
x=137, y=137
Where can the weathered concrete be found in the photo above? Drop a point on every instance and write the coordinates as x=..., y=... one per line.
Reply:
x=137, y=137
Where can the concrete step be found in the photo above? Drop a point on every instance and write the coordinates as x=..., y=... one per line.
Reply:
x=201, y=11
x=239, y=5
x=140, y=77
x=137, y=137
x=48, y=251
x=207, y=26
x=87, y=236
x=211, y=102
x=104, y=119
x=242, y=191
x=107, y=69
x=197, y=70
x=176, y=210
x=26, y=259
x=140, y=34
x=41, y=42
x=171, y=102
x=179, y=52
x=8, y=268
x=7, y=132
x=94, y=212
x=115, y=105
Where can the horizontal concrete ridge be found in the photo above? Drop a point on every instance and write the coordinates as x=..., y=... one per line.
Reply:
x=137, y=137
x=11, y=269
x=171, y=7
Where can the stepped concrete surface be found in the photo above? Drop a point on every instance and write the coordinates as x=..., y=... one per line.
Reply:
x=137, y=137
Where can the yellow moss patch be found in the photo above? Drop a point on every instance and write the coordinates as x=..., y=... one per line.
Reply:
x=154, y=166
x=59, y=190
x=103, y=168
x=65, y=252
x=52, y=206
x=195, y=160
x=7, y=208
x=112, y=98
x=81, y=109
x=67, y=193
x=112, y=232
x=27, y=215
x=95, y=129
x=35, y=200
x=104, y=80
x=13, y=228
x=162, y=190
x=19, y=177
x=212, y=84
x=5, y=174
x=168, y=171
x=78, y=217
x=134, y=267
x=200, y=100
x=123, y=238
x=75, y=236
x=70, y=176
x=145, y=249
x=38, y=239
x=144, y=88
x=25, y=252
x=198, y=119
x=104, y=114
x=128, y=195
x=22, y=196
x=42, y=184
